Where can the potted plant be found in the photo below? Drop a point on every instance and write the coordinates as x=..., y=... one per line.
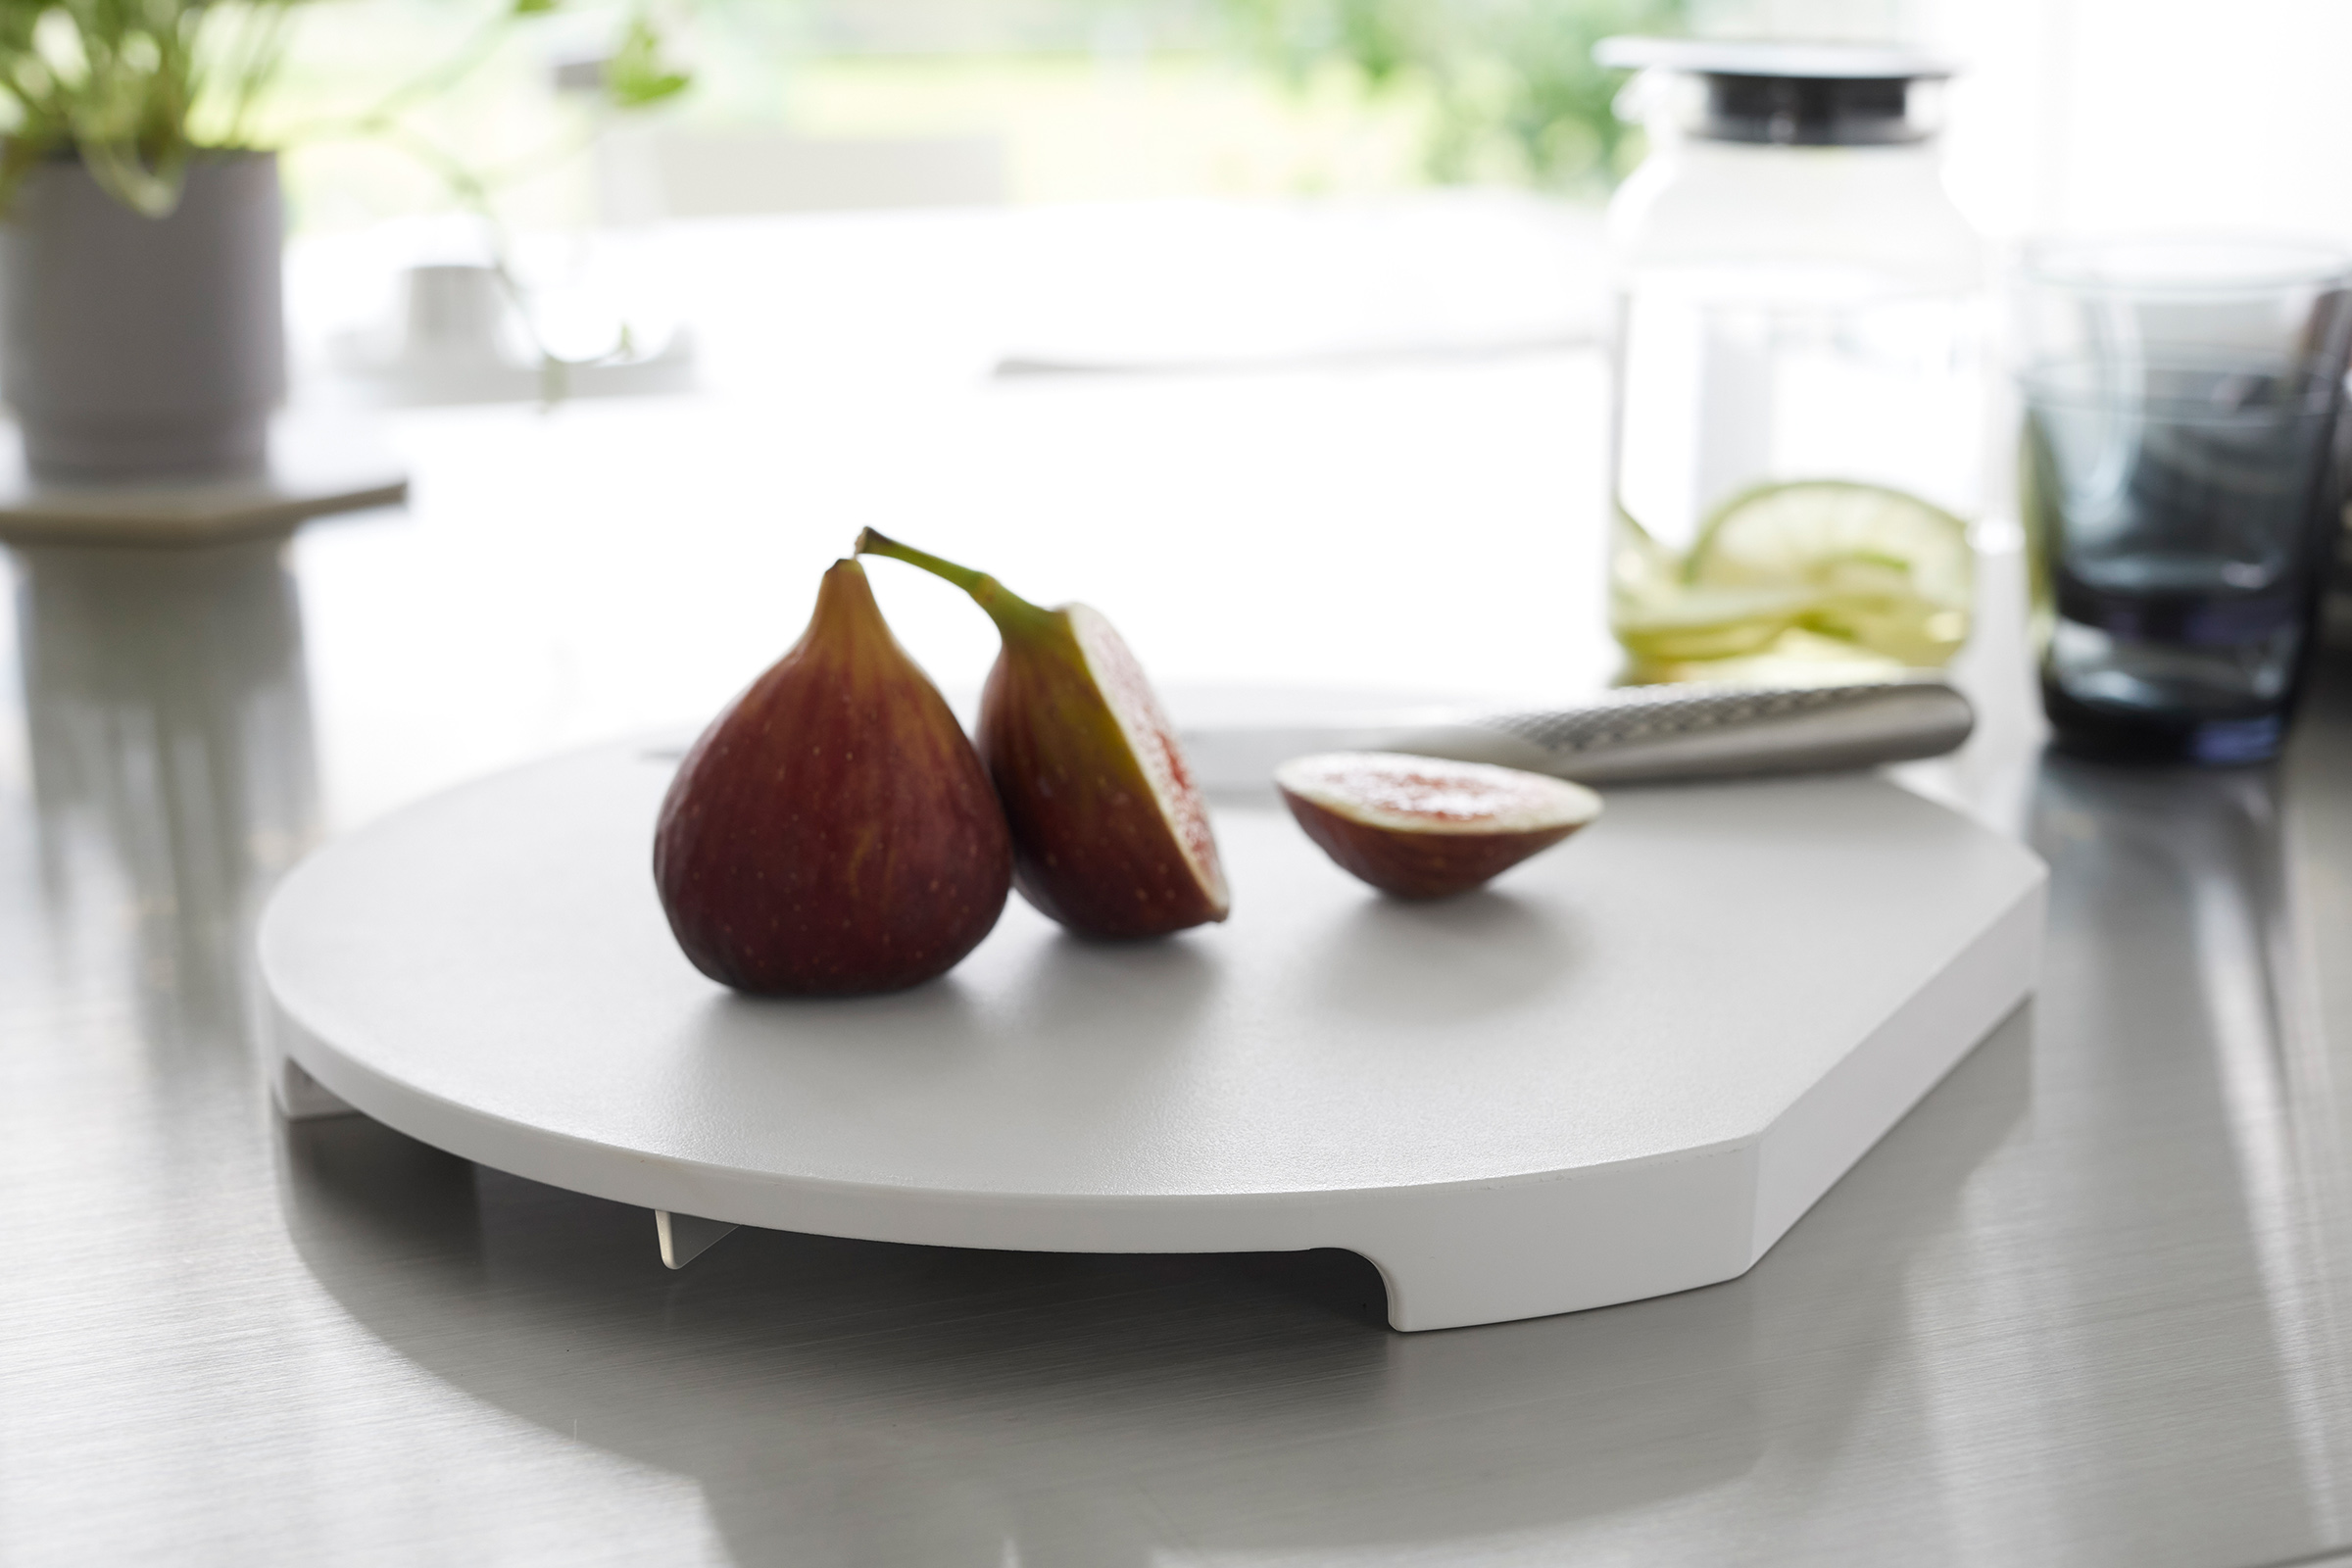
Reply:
x=140, y=223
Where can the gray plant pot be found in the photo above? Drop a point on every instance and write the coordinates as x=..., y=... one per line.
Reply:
x=137, y=348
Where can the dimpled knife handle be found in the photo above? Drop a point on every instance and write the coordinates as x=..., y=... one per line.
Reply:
x=1669, y=732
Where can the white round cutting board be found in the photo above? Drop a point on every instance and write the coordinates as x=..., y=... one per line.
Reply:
x=1622, y=1069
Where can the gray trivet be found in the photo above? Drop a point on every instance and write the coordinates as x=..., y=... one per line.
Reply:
x=317, y=465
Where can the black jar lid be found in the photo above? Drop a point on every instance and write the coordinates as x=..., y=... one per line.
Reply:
x=1790, y=94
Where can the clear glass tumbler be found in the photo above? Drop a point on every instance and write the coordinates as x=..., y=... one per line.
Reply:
x=2180, y=485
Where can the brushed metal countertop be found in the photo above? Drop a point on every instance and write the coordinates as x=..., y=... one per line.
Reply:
x=2090, y=1304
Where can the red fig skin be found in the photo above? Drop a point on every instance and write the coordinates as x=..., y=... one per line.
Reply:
x=1092, y=847
x=1418, y=865
x=833, y=833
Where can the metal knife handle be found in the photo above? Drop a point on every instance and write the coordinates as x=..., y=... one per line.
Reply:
x=1671, y=732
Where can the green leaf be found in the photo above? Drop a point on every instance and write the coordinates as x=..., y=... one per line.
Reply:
x=637, y=73
x=1509, y=85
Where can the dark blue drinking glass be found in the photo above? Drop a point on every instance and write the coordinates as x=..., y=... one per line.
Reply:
x=2181, y=487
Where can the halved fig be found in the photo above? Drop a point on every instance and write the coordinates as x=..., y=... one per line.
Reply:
x=1420, y=827
x=1110, y=836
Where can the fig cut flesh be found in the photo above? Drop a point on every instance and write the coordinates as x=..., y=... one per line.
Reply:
x=1420, y=827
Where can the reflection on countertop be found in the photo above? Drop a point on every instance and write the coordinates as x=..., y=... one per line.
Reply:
x=860, y=1401
x=167, y=710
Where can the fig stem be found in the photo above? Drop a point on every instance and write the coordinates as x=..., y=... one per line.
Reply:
x=1008, y=609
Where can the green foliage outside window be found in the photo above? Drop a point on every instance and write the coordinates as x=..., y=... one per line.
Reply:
x=1511, y=83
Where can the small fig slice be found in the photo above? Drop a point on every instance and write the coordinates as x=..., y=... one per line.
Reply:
x=833, y=833
x=1420, y=827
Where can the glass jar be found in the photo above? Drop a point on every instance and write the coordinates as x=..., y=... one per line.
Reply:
x=1799, y=414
